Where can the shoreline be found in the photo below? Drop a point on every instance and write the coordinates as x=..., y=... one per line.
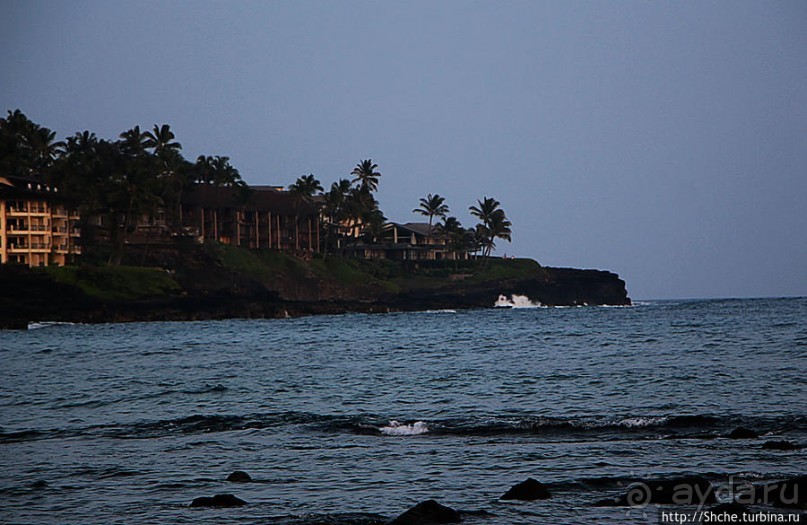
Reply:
x=210, y=290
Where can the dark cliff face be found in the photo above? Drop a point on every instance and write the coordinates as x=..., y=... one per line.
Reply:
x=557, y=287
x=570, y=286
x=34, y=295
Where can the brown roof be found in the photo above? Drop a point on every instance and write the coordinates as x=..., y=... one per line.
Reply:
x=258, y=198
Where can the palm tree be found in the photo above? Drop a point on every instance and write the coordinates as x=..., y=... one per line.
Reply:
x=432, y=206
x=134, y=141
x=161, y=139
x=26, y=148
x=456, y=235
x=306, y=186
x=495, y=224
x=499, y=228
x=485, y=209
x=366, y=175
x=335, y=209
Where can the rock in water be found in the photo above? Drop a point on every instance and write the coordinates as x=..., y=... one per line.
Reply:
x=219, y=500
x=528, y=490
x=743, y=433
x=427, y=513
x=689, y=490
x=734, y=511
x=790, y=493
x=239, y=476
x=780, y=445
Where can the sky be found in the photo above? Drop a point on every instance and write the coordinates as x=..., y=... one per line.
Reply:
x=663, y=141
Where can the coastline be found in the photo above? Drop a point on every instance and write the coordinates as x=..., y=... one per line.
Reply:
x=215, y=291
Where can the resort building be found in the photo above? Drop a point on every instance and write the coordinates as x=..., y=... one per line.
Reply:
x=35, y=228
x=412, y=241
x=261, y=217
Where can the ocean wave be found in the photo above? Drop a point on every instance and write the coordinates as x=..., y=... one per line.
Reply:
x=47, y=324
x=541, y=427
x=515, y=301
x=400, y=429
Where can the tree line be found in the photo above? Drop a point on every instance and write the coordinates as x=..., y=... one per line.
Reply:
x=143, y=174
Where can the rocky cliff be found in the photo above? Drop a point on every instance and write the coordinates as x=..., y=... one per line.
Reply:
x=222, y=282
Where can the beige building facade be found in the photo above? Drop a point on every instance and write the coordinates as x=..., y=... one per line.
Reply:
x=35, y=229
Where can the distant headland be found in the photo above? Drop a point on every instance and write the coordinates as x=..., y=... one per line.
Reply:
x=93, y=230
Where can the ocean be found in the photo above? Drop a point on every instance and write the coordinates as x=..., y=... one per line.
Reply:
x=352, y=419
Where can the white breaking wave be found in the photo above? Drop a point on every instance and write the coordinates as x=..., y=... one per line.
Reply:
x=516, y=301
x=444, y=311
x=399, y=429
x=639, y=422
x=48, y=324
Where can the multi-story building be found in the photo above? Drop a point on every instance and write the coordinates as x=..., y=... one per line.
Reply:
x=35, y=228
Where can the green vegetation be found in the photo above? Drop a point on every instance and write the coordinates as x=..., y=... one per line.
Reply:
x=141, y=177
x=116, y=282
x=271, y=267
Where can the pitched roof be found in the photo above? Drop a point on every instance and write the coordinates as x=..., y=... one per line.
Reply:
x=258, y=198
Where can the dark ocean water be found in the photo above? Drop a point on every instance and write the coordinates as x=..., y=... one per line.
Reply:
x=127, y=423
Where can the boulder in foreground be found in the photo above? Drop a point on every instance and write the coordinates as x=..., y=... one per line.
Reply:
x=528, y=490
x=743, y=433
x=239, y=476
x=790, y=493
x=219, y=500
x=734, y=511
x=428, y=513
x=781, y=445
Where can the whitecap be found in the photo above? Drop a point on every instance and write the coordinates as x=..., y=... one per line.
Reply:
x=515, y=301
x=399, y=429
x=639, y=422
x=48, y=324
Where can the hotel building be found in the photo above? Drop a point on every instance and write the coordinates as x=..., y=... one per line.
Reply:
x=35, y=228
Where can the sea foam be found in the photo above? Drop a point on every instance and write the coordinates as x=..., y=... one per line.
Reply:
x=515, y=301
x=399, y=429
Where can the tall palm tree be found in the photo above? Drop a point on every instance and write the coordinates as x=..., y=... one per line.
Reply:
x=432, y=206
x=456, y=235
x=495, y=224
x=366, y=175
x=306, y=186
x=334, y=210
x=133, y=141
x=499, y=228
x=161, y=139
x=485, y=209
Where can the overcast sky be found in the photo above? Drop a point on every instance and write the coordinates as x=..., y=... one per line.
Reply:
x=665, y=141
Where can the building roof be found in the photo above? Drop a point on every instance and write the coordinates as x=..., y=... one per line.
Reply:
x=254, y=198
x=13, y=186
x=418, y=228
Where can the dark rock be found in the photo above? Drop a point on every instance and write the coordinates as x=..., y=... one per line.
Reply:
x=219, y=500
x=781, y=445
x=528, y=490
x=733, y=510
x=427, y=513
x=689, y=490
x=743, y=433
x=13, y=324
x=239, y=476
x=790, y=493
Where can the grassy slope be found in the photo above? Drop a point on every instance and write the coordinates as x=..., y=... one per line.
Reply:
x=116, y=283
x=346, y=277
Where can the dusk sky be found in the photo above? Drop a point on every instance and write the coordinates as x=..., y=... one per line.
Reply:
x=664, y=141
